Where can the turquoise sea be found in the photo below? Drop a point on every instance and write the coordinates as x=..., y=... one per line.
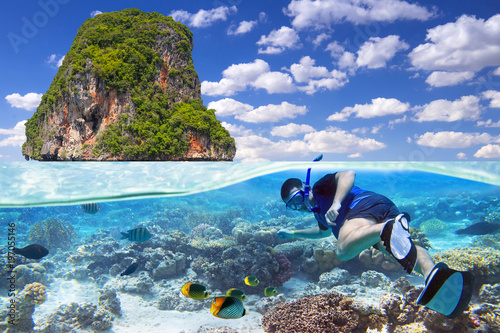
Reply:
x=215, y=223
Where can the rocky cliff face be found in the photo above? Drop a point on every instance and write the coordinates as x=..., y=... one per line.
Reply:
x=117, y=95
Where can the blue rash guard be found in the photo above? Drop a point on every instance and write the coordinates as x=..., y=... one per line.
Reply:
x=324, y=192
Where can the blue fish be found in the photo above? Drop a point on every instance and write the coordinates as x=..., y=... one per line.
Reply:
x=481, y=228
x=90, y=208
x=137, y=235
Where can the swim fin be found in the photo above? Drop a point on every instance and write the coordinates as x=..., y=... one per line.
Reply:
x=396, y=238
x=447, y=291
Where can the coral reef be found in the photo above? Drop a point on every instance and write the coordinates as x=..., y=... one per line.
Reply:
x=322, y=314
x=420, y=238
x=483, y=263
x=434, y=227
x=78, y=316
x=109, y=301
x=326, y=259
x=264, y=304
x=20, y=312
x=29, y=273
x=376, y=260
x=335, y=277
x=52, y=233
x=490, y=293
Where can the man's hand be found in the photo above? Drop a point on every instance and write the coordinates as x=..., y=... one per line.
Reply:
x=284, y=234
x=332, y=213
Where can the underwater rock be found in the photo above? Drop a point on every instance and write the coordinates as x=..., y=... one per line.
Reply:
x=375, y=279
x=264, y=304
x=77, y=273
x=323, y=313
x=335, y=277
x=326, y=259
x=173, y=264
x=141, y=285
x=29, y=273
x=265, y=236
x=109, y=301
x=208, y=329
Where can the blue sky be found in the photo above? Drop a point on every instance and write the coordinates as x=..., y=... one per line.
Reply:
x=356, y=80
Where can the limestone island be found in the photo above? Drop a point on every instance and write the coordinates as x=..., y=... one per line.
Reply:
x=127, y=90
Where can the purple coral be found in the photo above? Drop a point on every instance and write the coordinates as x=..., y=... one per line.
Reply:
x=285, y=271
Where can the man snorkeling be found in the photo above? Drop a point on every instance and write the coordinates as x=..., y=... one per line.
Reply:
x=360, y=219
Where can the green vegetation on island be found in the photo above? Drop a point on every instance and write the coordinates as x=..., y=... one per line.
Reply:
x=123, y=50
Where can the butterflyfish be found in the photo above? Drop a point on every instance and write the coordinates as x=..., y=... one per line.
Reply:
x=236, y=293
x=251, y=281
x=194, y=290
x=270, y=291
x=227, y=307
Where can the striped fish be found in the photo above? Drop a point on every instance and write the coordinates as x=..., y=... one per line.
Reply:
x=90, y=208
x=137, y=235
x=227, y=308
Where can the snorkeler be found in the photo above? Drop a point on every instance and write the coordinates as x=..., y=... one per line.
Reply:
x=360, y=219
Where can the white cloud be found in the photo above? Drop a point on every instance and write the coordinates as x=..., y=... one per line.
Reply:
x=356, y=155
x=279, y=40
x=290, y=130
x=488, y=123
x=229, y=107
x=95, y=13
x=243, y=28
x=339, y=141
x=275, y=82
x=379, y=107
x=496, y=71
x=235, y=78
x=336, y=50
x=488, y=151
x=494, y=96
x=203, y=18
x=257, y=148
x=448, y=139
x=320, y=38
x=461, y=156
x=16, y=136
x=53, y=60
x=306, y=72
x=321, y=13
x=443, y=79
x=29, y=102
x=376, y=52
x=235, y=130
x=465, y=108
x=272, y=113
x=469, y=44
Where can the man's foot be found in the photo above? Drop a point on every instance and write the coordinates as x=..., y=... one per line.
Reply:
x=447, y=291
x=396, y=238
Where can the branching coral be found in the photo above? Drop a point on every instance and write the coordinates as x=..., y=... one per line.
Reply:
x=479, y=261
x=324, y=313
x=20, y=313
x=52, y=233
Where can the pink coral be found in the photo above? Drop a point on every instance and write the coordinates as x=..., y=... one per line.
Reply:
x=285, y=271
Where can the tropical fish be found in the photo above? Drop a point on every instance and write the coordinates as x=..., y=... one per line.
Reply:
x=270, y=291
x=90, y=208
x=227, y=307
x=194, y=290
x=137, y=235
x=130, y=269
x=33, y=251
x=236, y=293
x=481, y=228
x=251, y=281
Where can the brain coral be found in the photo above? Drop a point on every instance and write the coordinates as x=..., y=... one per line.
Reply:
x=323, y=313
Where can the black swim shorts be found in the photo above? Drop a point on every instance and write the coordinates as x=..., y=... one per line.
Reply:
x=371, y=204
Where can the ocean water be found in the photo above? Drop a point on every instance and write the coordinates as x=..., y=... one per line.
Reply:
x=201, y=210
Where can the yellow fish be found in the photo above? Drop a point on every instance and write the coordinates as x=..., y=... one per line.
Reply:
x=251, y=281
x=227, y=307
x=270, y=291
x=194, y=290
x=236, y=293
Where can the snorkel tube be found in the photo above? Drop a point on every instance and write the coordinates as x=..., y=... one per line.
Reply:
x=307, y=187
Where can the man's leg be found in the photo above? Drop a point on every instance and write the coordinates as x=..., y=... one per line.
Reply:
x=359, y=234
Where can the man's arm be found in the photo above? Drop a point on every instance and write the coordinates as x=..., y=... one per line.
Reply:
x=345, y=182
x=312, y=233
